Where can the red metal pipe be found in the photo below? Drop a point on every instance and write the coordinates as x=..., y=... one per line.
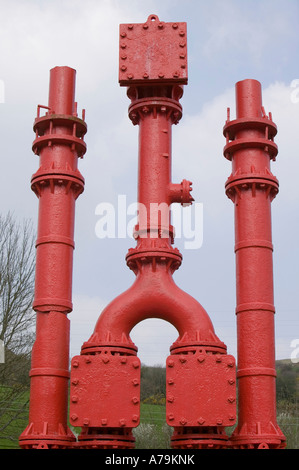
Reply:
x=154, y=108
x=251, y=186
x=57, y=183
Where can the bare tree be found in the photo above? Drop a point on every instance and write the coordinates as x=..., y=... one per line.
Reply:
x=17, y=266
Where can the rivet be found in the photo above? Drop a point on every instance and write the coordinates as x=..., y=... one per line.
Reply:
x=182, y=33
x=230, y=364
x=104, y=421
x=135, y=382
x=231, y=381
x=75, y=381
x=86, y=422
x=130, y=26
x=123, y=360
x=183, y=421
x=218, y=358
x=171, y=363
x=182, y=44
x=175, y=74
x=122, y=422
x=160, y=25
x=200, y=358
x=161, y=75
x=130, y=76
x=231, y=417
x=175, y=26
x=87, y=360
x=145, y=75
x=145, y=26
x=74, y=399
x=75, y=364
x=123, y=68
x=105, y=359
x=123, y=45
x=170, y=399
x=124, y=56
x=170, y=382
x=231, y=399
x=123, y=34
x=219, y=421
x=183, y=359
x=135, y=418
x=135, y=364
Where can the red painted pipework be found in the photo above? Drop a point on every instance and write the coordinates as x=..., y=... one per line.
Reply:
x=155, y=89
x=57, y=183
x=251, y=186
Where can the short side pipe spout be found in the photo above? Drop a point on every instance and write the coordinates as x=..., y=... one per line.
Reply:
x=108, y=360
x=59, y=142
x=251, y=186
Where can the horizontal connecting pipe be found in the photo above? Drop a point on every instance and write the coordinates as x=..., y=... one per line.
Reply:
x=57, y=183
x=251, y=186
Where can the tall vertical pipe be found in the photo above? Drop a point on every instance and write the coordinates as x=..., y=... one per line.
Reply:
x=251, y=186
x=153, y=68
x=57, y=184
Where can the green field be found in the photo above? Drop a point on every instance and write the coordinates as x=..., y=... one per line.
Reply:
x=152, y=433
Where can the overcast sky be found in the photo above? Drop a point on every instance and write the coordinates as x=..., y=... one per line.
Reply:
x=228, y=41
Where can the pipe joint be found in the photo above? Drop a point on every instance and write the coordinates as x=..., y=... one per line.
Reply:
x=181, y=193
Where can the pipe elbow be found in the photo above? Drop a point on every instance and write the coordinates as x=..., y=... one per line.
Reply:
x=154, y=295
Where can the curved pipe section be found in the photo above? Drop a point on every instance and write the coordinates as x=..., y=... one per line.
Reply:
x=154, y=294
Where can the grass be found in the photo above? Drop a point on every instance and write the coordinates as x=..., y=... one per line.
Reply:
x=152, y=433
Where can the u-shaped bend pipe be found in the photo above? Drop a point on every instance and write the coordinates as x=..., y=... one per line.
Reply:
x=154, y=294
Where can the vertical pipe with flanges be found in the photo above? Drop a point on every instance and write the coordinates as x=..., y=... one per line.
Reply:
x=57, y=184
x=200, y=377
x=252, y=187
